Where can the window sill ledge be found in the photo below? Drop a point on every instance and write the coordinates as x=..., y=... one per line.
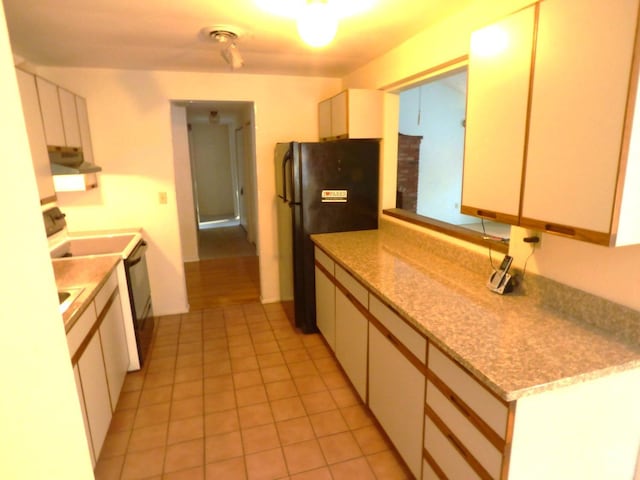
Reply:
x=454, y=231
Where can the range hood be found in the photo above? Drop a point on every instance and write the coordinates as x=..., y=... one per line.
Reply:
x=69, y=161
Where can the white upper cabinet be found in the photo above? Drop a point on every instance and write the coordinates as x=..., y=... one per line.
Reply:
x=567, y=127
x=69, y=118
x=85, y=132
x=51, y=112
x=35, y=132
x=65, y=119
x=353, y=113
x=581, y=137
x=499, y=73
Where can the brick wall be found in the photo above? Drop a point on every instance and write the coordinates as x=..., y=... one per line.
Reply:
x=408, y=164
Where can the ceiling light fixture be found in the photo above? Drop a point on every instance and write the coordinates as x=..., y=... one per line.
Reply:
x=230, y=51
x=316, y=20
x=317, y=23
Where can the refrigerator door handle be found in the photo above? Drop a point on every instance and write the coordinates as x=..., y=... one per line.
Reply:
x=285, y=160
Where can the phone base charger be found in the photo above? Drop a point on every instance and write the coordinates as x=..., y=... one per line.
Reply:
x=500, y=282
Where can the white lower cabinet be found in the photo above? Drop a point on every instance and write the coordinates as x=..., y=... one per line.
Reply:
x=114, y=346
x=396, y=397
x=98, y=348
x=326, y=307
x=446, y=455
x=76, y=374
x=95, y=393
x=465, y=425
x=351, y=342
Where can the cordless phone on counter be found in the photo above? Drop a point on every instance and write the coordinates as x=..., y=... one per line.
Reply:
x=500, y=280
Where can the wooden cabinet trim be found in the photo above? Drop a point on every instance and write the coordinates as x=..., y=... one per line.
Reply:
x=397, y=344
x=467, y=412
x=627, y=128
x=591, y=236
x=489, y=214
x=361, y=308
x=52, y=198
x=457, y=444
x=525, y=156
x=94, y=328
x=478, y=381
x=508, y=440
x=322, y=268
x=432, y=463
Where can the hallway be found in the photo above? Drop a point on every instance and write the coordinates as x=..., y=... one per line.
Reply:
x=232, y=391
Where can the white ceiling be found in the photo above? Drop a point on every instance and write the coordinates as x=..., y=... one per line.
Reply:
x=166, y=34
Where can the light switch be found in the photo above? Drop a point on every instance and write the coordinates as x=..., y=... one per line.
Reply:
x=162, y=197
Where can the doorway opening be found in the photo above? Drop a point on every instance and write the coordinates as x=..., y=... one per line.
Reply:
x=220, y=148
x=214, y=156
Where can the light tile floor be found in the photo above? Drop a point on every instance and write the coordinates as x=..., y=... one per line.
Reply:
x=236, y=393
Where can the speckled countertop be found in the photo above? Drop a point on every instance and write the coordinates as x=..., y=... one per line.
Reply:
x=89, y=273
x=515, y=344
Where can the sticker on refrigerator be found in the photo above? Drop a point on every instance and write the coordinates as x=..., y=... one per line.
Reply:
x=334, y=196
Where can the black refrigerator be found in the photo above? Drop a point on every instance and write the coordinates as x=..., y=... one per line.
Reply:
x=322, y=187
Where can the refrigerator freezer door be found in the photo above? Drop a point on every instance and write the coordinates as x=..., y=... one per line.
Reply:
x=285, y=240
x=335, y=189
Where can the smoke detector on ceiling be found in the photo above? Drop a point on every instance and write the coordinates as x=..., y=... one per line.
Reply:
x=226, y=36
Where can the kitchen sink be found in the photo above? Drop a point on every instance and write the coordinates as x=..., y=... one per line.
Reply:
x=67, y=297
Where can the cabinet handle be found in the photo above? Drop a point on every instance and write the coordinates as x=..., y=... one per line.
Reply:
x=560, y=229
x=391, y=338
x=459, y=447
x=486, y=214
x=457, y=403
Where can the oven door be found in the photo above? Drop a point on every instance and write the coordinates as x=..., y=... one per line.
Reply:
x=140, y=297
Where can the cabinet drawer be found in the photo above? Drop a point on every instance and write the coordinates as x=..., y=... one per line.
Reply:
x=491, y=410
x=81, y=329
x=324, y=260
x=445, y=454
x=411, y=339
x=105, y=292
x=353, y=286
x=489, y=457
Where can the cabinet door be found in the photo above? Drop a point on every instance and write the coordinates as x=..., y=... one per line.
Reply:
x=69, y=118
x=339, y=116
x=114, y=347
x=396, y=397
x=51, y=113
x=324, y=119
x=351, y=341
x=326, y=307
x=35, y=131
x=96, y=392
x=76, y=374
x=496, y=120
x=580, y=89
x=85, y=132
x=364, y=113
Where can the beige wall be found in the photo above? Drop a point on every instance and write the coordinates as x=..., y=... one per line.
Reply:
x=42, y=431
x=212, y=160
x=184, y=187
x=130, y=118
x=610, y=273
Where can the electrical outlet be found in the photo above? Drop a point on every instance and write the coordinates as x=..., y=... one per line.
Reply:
x=531, y=234
x=162, y=198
